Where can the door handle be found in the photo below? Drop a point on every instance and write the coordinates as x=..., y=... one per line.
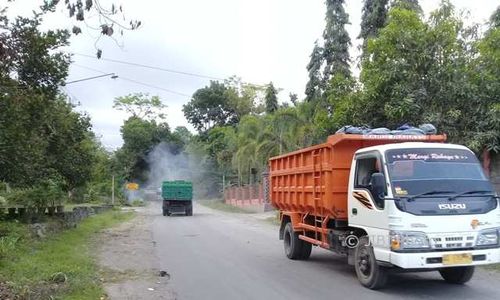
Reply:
x=354, y=211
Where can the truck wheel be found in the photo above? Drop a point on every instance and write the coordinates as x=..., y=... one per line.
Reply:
x=457, y=275
x=295, y=248
x=165, y=212
x=189, y=210
x=369, y=273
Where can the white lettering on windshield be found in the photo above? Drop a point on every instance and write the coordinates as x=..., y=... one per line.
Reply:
x=430, y=156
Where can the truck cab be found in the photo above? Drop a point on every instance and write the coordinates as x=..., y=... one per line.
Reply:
x=424, y=207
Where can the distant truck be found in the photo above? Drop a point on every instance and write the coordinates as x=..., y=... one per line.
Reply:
x=388, y=202
x=177, y=197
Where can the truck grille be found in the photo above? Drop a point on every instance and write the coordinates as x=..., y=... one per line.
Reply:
x=452, y=242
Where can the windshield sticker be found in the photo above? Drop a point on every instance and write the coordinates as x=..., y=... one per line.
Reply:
x=400, y=191
x=431, y=155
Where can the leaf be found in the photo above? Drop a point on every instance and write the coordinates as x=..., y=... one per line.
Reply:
x=88, y=4
x=76, y=30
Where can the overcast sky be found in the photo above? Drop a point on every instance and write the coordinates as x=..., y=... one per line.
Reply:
x=257, y=40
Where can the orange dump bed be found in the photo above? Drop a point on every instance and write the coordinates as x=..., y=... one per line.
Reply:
x=314, y=180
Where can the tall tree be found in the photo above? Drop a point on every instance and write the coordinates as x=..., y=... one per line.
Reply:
x=337, y=41
x=313, y=86
x=271, y=98
x=211, y=106
x=373, y=18
x=408, y=4
x=141, y=106
x=495, y=18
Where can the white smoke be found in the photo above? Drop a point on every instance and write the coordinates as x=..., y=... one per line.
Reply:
x=163, y=166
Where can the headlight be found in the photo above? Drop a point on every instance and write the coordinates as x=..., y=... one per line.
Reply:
x=408, y=240
x=487, y=237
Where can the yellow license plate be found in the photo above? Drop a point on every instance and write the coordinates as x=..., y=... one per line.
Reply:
x=457, y=259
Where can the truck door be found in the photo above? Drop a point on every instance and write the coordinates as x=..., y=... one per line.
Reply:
x=366, y=204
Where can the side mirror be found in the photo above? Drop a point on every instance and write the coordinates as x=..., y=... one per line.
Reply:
x=378, y=187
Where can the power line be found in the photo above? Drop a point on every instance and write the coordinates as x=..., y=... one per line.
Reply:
x=135, y=81
x=153, y=86
x=151, y=67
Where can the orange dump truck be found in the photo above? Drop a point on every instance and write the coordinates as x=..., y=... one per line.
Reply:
x=388, y=202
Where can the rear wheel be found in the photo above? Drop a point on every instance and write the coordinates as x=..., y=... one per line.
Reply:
x=369, y=273
x=189, y=210
x=457, y=275
x=165, y=212
x=295, y=248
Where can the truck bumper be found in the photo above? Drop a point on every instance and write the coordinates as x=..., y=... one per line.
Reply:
x=433, y=260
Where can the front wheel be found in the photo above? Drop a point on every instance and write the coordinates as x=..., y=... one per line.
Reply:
x=457, y=275
x=165, y=212
x=369, y=273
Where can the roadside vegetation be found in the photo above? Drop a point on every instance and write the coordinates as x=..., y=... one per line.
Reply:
x=60, y=266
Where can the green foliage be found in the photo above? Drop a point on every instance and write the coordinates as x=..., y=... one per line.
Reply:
x=337, y=41
x=271, y=98
x=412, y=5
x=29, y=265
x=434, y=72
x=211, y=106
x=373, y=18
x=41, y=137
x=495, y=18
x=313, y=86
x=141, y=106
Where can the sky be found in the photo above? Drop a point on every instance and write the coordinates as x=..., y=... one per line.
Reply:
x=257, y=40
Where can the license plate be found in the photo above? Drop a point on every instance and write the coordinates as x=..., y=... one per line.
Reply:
x=457, y=259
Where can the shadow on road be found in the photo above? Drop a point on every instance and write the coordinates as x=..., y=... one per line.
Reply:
x=422, y=284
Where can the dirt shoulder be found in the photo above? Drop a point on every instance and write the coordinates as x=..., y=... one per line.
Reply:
x=126, y=256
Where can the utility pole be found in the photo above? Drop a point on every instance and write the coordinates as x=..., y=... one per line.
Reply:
x=113, y=190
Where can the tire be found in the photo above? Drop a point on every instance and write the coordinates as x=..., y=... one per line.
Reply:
x=295, y=248
x=165, y=212
x=457, y=275
x=368, y=271
x=189, y=210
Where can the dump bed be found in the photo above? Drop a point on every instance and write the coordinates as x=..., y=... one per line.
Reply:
x=177, y=190
x=314, y=180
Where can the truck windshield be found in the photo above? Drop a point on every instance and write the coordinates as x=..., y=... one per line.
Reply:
x=418, y=171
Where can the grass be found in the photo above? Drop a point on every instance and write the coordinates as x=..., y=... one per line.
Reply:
x=220, y=205
x=58, y=267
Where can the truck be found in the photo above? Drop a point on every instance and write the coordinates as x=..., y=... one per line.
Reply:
x=177, y=197
x=389, y=203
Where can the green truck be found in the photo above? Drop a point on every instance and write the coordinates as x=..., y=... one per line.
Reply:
x=177, y=197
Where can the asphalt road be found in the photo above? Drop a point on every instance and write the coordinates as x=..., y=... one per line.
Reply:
x=217, y=255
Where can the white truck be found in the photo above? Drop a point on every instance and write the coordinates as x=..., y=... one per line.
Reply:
x=400, y=206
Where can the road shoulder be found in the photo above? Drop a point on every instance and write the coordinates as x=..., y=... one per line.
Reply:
x=127, y=260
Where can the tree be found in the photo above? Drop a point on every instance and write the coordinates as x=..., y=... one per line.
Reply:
x=271, y=98
x=495, y=18
x=373, y=18
x=29, y=57
x=313, y=86
x=294, y=98
x=412, y=5
x=337, y=41
x=430, y=72
x=211, y=106
x=141, y=106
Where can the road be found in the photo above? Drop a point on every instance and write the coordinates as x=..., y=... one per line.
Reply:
x=217, y=255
